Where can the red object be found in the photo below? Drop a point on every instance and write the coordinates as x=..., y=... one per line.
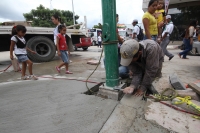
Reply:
x=186, y=86
x=62, y=42
x=84, y=42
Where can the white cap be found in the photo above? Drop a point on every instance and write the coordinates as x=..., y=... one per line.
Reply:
x=168, y=16
x=128, y=49
x=135, y=20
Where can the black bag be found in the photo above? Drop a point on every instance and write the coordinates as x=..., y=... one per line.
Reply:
x=174, y=35
x=140, y=36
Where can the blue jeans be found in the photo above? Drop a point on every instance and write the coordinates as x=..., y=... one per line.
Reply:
x=22, y=58
x=123, y=72
x=64, y=56
x=153, y=37
x=188, y=47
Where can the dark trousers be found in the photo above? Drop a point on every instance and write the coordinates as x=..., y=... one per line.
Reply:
x=188, y=47
x=99, y=44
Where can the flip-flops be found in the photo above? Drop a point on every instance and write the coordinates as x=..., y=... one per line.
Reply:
x=68, y=72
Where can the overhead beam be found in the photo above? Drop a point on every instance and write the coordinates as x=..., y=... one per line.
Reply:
x=185, y=4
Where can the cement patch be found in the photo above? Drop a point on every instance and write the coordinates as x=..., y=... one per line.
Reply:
x=120, y=121
x=55, y=106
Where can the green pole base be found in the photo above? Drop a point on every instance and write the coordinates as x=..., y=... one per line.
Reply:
x=112, y=82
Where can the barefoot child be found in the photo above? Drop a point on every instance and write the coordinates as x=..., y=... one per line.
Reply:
x=62, y=48
x=18, y=44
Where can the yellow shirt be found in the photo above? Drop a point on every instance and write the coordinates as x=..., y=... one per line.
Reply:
x=153, y=28
x=160, y=15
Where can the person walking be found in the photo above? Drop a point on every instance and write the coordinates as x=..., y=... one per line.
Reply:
x=165, y=37
x=18, y=44
x=57, y=21
x=99, y=40
x=149, y=21
x=136, y=29
x=188, y=39
x=62, y=49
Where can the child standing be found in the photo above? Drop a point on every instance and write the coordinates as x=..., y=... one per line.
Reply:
x=62, y=48
x=160, y=17
x=18, y=44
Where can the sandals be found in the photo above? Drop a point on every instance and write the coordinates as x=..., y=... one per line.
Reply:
x=68, y=72
x=31, y=77
x=25, y=78
x=57, y=69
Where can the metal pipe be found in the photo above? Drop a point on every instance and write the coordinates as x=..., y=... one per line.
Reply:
x=73, y=12
x=110, y=42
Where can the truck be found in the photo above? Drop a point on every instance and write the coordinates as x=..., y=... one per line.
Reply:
x=40, y=40
x=94, y=33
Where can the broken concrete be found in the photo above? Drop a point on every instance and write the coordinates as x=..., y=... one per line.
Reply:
x=195, y=87
x=160, y=84
x=188, y=92
x=176, y=82
x=93, y=62
x=171, y=119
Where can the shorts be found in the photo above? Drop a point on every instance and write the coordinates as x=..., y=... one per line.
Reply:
x=64, y=56
x=22, y=58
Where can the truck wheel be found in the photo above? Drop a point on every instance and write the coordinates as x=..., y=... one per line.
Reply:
x=45, y=49
x=85, y=49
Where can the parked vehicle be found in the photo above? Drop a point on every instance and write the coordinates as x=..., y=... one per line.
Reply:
x=93, y=33
x=84, y=43
x=40, y=40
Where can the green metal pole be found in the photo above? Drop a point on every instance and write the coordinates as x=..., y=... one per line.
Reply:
x=110, y=42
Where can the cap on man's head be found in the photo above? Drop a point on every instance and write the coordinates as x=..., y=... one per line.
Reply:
x=128, y=49
x=135, y=20
x=168, y=16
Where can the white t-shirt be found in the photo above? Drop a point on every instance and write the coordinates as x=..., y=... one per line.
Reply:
x=168, y=29
x=99, y=38
x=136, y=30
x=55, y=33
x=195, y=33
x=16, y=49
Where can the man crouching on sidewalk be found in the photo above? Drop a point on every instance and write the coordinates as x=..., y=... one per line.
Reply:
x=145, y=63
